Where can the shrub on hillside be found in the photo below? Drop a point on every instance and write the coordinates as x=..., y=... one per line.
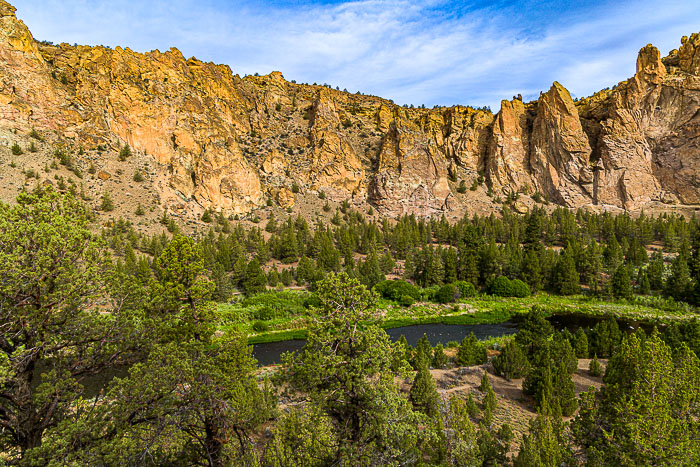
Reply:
x=397, y=289
x=466, y=289
x=512, y=362
x=504, y=287
x=447, y=294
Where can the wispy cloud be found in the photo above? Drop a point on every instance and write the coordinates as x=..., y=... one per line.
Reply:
x=426, y=52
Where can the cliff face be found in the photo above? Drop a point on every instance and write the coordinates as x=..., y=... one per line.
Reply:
x=230, y=143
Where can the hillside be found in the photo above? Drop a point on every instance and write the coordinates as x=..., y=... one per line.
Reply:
x=203, y=137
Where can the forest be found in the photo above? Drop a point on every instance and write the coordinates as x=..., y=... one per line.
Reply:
x=176, y=313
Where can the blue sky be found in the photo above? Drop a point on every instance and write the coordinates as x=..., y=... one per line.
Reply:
x=420, y=52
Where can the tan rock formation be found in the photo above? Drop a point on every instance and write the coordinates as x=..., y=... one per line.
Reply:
x=218, y=140
x=560, y=153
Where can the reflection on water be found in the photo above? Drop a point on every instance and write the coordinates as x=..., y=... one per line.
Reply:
x=269, y=353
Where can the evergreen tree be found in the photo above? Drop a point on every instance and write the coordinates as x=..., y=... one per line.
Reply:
x=580, y=343
x=678, y=283
x=345, y=371
x=423, y=394
x=646, y=413
x=595, y=368
x=512, y=361
x=566, y=278
x=255, y=279
x=471, y=351
x=620, y=285
x=531, y=270
x=439, y=357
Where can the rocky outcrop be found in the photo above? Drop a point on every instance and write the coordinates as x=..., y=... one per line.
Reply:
x=229, y=143
x=335, y=168
x=559, y=150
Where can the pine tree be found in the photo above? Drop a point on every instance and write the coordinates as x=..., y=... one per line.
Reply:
x=531, y=270
x=678, y=284
x=620, y=285
x=423, y=393
x=580, y=343
x=566, y=279
x=471, y=352
x=439, y=357
x=595, y=368
x=565, y=391
x=512, y=362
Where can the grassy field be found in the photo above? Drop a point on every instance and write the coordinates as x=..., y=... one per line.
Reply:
x=283, y=315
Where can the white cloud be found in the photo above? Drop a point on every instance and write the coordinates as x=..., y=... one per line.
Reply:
x=412, y=52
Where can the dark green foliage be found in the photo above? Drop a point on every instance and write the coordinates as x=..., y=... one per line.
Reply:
x=646, y=414
x=466, y=289
x=397, y=289
x=107, y=204
x=580, y=343
x=512, y=363
x=595, y=368
x=462, y=188
x=605, y=338
x=345, y=371
x=534, y=332
x=566, y=278
x=471, y=351
x=447, y=294
x=439, y=357
x=620, y=285
x=255, y=280
x=138, y=177
x=504, y=287
x=16, y=150
x=124, y=152
x=423, y=393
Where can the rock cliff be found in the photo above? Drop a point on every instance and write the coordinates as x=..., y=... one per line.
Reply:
x=229, y=143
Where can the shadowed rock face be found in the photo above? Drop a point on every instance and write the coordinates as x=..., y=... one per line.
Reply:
x=230, y=143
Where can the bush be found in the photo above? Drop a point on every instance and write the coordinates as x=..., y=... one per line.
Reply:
x=504, y=287
x=138, y=177
x=519, y=289
x=107, y=204
x=595, y=368
x=406, y=301
x=462, y=188
x=295, y=188
x=466, y=289
x=471, y=352
x=260, y=326
x=124, y=153
x=16, y=150
x=500, y=287
x=396, y=290
x=512, y=362
x=447, y=294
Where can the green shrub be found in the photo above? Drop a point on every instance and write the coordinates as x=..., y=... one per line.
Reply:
x=512, y=362
x=466, y=289
x=107, y=204
x=462, y=188
x=595, y=368
x=397, y=289
x=519, y=289
x=471, y=351
x=138, y=177
x=500, y=287
x=124, y=153
x=406, y=301
x=16, y=150
x=260, y=326
x=447, y=294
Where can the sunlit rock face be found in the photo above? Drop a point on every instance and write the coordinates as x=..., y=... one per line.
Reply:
x=230, y=143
